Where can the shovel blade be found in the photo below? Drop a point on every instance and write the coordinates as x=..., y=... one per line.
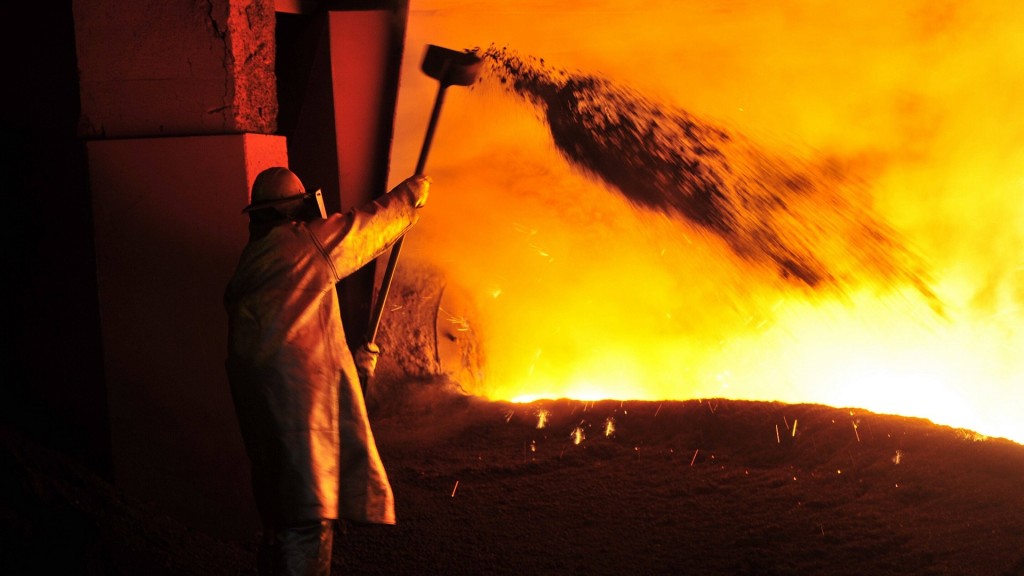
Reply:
x=450, y=67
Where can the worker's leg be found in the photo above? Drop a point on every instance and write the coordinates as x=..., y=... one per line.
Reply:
x=301, y=550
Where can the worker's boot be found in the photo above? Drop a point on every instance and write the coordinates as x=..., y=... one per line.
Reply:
x=302, y=550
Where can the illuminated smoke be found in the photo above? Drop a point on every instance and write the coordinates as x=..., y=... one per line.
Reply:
x=903, y=115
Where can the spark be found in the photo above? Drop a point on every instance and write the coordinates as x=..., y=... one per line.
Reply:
x=542, y=418
x=694, y=459
x=524, y=229
x=542, y=252
x=855, y=432
x=794, y=427
x=778, y=440
x=609, y=427
x=528, y=449
x=508, y=416
x=658, y=410
x=898, y=457
x=577, y=435
x=455, y=488
x=460, y=321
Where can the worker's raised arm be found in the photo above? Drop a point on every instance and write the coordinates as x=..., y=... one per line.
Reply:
x=353, y=239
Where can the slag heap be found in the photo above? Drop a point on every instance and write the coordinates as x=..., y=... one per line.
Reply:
x=811, y=222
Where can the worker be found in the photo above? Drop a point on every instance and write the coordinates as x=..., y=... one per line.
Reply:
x=294, y=381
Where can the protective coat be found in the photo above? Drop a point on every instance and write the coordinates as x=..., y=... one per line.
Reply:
x=293, y=380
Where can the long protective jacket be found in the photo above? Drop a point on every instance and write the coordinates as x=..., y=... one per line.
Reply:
x=293, y=380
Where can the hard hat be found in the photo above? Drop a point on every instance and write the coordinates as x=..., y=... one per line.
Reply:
x=275, y=186
x=278, y=186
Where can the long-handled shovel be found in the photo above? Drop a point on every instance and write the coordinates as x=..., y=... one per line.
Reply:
x=449, y=68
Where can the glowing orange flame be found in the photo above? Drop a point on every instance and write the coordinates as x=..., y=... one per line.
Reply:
x=583, y=295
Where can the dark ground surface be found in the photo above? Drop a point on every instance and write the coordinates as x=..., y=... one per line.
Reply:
x=682, y=487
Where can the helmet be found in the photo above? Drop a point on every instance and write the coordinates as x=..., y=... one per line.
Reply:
x=277, y=186
x=274, y=186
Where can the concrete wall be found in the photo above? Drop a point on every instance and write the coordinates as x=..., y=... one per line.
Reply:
x=176, y=67
x=179, y=106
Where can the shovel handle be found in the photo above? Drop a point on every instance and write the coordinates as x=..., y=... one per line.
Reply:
x=396, y=249
x=428, y=138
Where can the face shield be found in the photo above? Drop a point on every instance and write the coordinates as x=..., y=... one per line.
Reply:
x=319, y=199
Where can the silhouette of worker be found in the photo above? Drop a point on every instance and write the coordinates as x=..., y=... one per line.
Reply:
x=294, y=382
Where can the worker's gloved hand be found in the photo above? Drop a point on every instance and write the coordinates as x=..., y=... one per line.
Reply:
x=366, y=360
x=419, y=185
